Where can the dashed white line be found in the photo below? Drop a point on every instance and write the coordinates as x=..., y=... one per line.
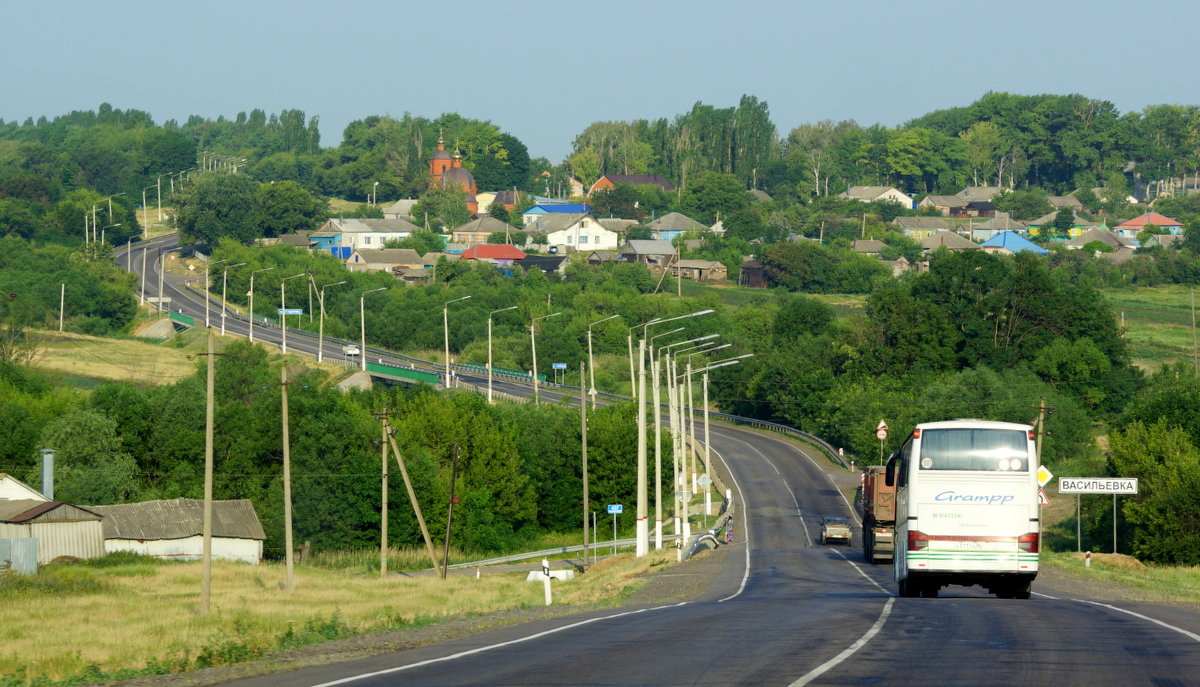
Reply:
x=861, y=572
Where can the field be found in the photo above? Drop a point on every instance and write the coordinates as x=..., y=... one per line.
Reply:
x=79, y=357
x=142, y=617
x=1157, y=323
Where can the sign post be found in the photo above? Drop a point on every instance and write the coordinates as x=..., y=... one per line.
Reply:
x=881, y=434
x=615, y=509
x=1098, y=485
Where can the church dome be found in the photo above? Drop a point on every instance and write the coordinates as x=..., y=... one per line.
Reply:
x=459, y=176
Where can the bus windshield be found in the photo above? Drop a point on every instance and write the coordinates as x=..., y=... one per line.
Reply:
x=999, y=450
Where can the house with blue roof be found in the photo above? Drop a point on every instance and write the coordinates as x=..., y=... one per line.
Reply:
x=530, y=216
x=1011, y=242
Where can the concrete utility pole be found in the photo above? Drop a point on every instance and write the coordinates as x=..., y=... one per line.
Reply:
x=583, y=434
x=450, y=513
x=412, y=497
x=206, y=556
x=287, y=484
x=383, y=508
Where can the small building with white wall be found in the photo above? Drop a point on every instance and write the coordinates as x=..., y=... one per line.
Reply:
x=174, y=529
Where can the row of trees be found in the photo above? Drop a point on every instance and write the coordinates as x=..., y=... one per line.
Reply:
x=123, y=443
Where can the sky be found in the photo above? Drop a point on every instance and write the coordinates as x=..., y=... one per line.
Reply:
x=543, y=71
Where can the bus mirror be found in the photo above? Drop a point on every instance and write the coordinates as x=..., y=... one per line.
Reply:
x=889, y=474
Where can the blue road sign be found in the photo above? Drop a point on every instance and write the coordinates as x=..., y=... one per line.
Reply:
x=615, y=508
x=290, y=311
x=559, y=366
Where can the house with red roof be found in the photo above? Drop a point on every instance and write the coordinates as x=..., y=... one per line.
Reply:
x=1131, y=228
x=501, y=254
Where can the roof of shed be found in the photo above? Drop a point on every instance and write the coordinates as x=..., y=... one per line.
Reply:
x=180, y=518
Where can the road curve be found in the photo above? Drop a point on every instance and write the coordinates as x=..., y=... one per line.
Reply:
x=788, y=611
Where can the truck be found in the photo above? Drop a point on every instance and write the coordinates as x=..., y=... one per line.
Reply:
x=350, y=349
x=877, y=506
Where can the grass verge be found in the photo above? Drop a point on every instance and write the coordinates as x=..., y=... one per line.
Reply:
x=81, y=623
x=1158, y=583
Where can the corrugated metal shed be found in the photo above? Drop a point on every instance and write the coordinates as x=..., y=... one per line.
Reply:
x=179, y=519
x=60, y=528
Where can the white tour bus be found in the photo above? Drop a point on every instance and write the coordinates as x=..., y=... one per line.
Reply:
x=966, y=508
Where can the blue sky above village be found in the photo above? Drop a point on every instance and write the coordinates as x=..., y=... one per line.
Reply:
x=543, y=71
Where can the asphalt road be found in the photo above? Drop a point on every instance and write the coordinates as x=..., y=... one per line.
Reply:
x=787, y=611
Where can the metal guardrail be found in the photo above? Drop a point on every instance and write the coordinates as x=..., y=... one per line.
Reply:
x=596, y=546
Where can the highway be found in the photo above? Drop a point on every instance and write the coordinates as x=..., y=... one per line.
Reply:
x=785, y=610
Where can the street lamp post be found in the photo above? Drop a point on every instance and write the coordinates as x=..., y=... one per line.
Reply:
x=208, y=286
x=591, y=364
x=362, y=324
x=446, y=335
x=657, y=438
x=224, y=284
x=374, y=193
x=643, y=527
x=533, y=350
x=251, y=296
x=321, y=325
x=283, y=309
x=656, y=366
x=511, y=307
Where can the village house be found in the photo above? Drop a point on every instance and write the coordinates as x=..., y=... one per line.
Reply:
x=889, y=194
x=608, y=181
x=383, y=260
x=341, y=237
x=1138, y=224
x=478, y=230
x=651, y=253
x=671, y=225
x=918, y=228
x=699, y=270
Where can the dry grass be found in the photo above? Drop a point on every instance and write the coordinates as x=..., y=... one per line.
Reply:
x=131, y=616
x=138, y=362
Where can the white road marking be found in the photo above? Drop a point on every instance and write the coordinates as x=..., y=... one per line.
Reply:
x=777, y=472
x=745, y=527
x=807, y=536
x=848, y=651
x=860, y=572
x=1180, y=630
x=481, y=649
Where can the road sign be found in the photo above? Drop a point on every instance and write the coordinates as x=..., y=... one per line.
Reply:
x=290, y=311
x=704, y=481
x=1097, y=485
x=615, y=508
x=1042, y=499
x=558, y=366
x=881, y=434
x=1044, y=475
x=156, y=299
x=882, y=425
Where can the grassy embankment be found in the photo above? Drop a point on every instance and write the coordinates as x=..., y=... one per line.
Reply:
x=135, y=616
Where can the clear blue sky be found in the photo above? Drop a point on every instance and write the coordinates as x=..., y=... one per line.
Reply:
x=543, y=71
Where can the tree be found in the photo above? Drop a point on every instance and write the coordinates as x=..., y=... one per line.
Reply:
x=710, y=194
x=284, y=207
x=421, y=241
x=90, y=464
x=1023, y=204
x=619, y=201
x=218, y=205
x=1064, y=219
x=444, y=208
x=1165, y=514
